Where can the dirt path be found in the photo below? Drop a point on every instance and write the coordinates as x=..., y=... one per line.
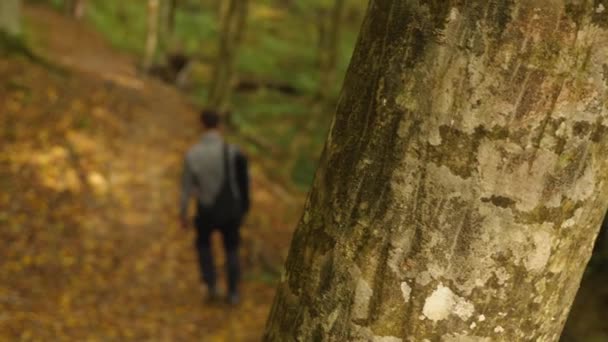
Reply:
x=103, y=258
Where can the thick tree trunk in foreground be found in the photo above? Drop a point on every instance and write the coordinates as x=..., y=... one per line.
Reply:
x=233, y=22
x=152, y=36
x=10, y=16
x=463, y=181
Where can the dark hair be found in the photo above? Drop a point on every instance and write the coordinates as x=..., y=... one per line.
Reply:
x=210, y=118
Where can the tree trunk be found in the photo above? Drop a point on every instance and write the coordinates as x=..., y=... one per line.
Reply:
x=329, y=46
x=167, y=24
x=152, y=36
x=75, y=8
x=232, y=29
x=463, y=181
x=10, y=16
x=171, y=14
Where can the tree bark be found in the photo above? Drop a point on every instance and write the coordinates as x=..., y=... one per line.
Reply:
x=329, y=46
x=152, y=36
x=233, y=24
x=10, y=16
x=463, y=181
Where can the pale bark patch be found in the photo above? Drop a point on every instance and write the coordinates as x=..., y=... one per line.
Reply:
x=363, y=294
x=571, y=222
x=443, y=302
x=331, y=320
x=423, y=278
x=524, y=185
x=585, y=187
x=406, y=291
x=539, y=256
x=365, y=334
x=502, y=275
x=464, y=338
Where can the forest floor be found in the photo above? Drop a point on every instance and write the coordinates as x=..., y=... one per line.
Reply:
x=90, y=156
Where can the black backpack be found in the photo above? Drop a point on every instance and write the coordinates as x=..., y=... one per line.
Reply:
x=227, y=206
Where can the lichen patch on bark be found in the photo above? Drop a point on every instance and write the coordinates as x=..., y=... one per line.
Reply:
x=538, y=257
x=406, y=291
x=363, y=294
x=443, y=302
x=465, y=338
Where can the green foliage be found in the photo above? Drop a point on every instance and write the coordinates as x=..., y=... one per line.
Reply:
x=196, y=32
x=57, y=4
x=122, y=22
x=280, y=47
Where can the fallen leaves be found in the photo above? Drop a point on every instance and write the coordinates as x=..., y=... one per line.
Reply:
x=98, y=183
x=89, y=245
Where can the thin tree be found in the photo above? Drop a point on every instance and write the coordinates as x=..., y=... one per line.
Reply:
x=171, y=16
x=10, y=16
x=75, y=8
x=463, y=181
x=168, y=14
x=152, y=34
x=233, y=22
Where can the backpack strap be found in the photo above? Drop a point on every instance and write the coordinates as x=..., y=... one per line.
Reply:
x=230, y=176
x=225, y=157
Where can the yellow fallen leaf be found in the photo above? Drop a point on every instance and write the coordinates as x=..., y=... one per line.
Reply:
x=98, y=183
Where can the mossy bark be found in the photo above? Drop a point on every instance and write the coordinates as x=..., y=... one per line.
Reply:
x=10, y=16
x=463, y=181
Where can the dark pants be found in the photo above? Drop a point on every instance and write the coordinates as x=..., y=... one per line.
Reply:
x=231, y=239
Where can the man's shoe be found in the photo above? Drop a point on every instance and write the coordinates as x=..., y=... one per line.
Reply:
x=212, y=295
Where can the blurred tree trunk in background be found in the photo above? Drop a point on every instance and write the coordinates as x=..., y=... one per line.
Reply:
x=152, y=35
x=171, y=14
x=167, y=24
x=75, y=8
x=232, y=28
x=463, y=181
x=221, y=8
x=10, y=16
x=329, y=46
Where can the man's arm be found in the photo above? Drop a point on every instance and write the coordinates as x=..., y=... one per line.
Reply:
x=242, y=178
x=187, y=188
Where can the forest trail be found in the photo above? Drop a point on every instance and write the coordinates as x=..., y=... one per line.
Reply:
x=91, y=158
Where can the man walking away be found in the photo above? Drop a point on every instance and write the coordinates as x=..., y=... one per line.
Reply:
x=216, y=174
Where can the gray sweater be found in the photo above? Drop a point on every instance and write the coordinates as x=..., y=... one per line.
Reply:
x=204, y=172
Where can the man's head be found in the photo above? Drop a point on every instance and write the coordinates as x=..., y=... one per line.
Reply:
x=210, y=119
